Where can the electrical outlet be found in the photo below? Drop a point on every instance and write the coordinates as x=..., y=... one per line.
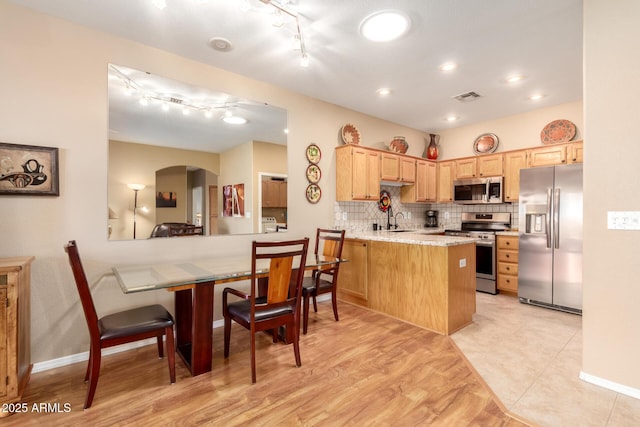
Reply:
x=408, y=215
x=625, y=220
x=446, y=215
x=344, y=216
x=463, y=262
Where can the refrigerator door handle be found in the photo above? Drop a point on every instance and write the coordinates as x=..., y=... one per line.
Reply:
x=556, y=219
x=548, y=219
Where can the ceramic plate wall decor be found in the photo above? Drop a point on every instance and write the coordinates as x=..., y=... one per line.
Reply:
x=385, y=201
x=313, y=153
x=313, y=174
x=558, y=131
x=313, y=193
x=350, y=134
x=485, y=143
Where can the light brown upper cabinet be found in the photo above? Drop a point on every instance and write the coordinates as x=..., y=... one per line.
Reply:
x=481, y=166
x=445, y=181
x=274, y=193
x=357, y=174
x=397, y=168
x=513, y=162
x=425, y=188
x=465, y=168
x=574, y=152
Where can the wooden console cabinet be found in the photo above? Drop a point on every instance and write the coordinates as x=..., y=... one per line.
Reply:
x=15, y=328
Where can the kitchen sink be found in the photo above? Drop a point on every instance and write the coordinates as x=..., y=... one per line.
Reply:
x=403, y=231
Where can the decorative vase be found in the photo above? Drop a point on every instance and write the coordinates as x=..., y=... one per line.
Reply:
x=431, y=149
x=399, y=144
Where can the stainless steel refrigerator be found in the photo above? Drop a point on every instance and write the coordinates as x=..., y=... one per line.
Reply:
x=550, y=244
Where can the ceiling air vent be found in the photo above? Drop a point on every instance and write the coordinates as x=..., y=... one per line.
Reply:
x=467, y=96
x=175, y=100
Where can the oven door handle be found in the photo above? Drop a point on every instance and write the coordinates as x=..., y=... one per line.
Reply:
x=488, y=243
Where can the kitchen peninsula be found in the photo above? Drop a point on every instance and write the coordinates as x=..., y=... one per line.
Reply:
x=417, y=276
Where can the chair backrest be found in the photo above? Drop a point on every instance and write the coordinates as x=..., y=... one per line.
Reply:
x=287, y=261
x=331, y=242
x=83, y=289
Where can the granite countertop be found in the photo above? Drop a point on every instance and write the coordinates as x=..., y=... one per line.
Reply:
x=423, y=236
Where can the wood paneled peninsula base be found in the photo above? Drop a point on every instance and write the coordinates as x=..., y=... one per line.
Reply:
x=425, y=279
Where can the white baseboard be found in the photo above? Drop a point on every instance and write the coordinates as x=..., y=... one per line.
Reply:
x=619, y=388
x=81, y=357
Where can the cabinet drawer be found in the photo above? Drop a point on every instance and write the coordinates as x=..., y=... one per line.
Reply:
x=508, y=256
x=508, y=242
x=508, y=268
x=508, y=283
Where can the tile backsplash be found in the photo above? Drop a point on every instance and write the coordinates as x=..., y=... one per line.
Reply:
x=360, y=216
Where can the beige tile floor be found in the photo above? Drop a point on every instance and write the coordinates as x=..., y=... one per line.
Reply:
x=531, y=358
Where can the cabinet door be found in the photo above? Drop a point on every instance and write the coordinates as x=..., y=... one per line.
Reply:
x=282, y=194
x=352, y=279
x=3, y=336
x=269, y=193
x=574, y=153
x=513, y=163
x=389, y=167
x=547, y=156
x=360, y=177
x=373, y=177
x=490, y=165
x=445, y=181
x=465, y=168
x=407, y=169
x=432, y=182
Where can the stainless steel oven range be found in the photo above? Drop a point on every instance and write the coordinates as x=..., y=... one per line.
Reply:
x=483, y=226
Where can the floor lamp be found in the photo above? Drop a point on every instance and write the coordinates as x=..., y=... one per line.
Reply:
x=135, y=188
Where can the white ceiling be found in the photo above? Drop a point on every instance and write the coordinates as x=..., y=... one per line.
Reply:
x=489, y=39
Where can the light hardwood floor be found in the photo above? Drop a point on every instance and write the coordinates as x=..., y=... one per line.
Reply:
x=366, y=369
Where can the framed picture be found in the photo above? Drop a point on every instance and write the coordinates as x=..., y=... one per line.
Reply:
x=166, y=199
x=28, y=170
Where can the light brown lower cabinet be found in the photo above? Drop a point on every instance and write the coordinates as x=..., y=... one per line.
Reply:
x=429, y=286
x=15, y=335
x=508, y=264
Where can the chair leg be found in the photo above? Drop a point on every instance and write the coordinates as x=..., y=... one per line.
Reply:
x=305, y=314
x=296, y=344
x=227, y=336
x=171, y=353
x=160, y=350
x=253, y=357
x=86, y=374
x=334, y=302
x=94, y=373
x=315, y=304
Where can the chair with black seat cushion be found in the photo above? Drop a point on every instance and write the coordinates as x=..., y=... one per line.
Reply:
x=329, y=244
x=118, y=328
x=274, y=300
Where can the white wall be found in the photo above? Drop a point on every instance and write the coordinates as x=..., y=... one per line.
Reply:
x=611, y=322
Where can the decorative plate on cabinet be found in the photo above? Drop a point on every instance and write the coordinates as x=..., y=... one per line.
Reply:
x=350, y=134
x=313, y=153
x=558, y=131
x=313, y=174
x=485, y=143
x=313, y=193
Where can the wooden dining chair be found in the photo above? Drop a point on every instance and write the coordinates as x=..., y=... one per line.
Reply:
x=118, y=328
x=278, y=304
x=322, y=281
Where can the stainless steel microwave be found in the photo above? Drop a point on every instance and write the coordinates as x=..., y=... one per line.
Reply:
x=478, y=191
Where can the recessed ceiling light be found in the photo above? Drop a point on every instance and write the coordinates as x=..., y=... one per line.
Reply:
x=451, y=118
x=514, y=78
x=385, y=26
x=448, y=66
x=384, y=91
x=536, y=96
x=235, y=120
x=221, y=44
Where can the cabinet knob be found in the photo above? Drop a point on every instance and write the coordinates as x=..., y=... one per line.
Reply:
x=507, y=243
x=508, y=269
x=506, y=256
x=508, y=281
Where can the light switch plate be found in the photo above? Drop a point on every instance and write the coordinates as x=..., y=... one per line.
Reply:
x=623, y=220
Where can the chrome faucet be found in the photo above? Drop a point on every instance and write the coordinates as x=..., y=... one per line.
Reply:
x=396, y=218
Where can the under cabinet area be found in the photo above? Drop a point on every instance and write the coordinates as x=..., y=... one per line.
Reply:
x=15, y=327
x=507, y=264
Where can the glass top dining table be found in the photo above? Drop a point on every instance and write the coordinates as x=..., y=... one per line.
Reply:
x=146, y=277
x=192, y=283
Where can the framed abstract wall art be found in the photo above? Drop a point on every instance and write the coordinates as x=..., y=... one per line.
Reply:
x=28, y=170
